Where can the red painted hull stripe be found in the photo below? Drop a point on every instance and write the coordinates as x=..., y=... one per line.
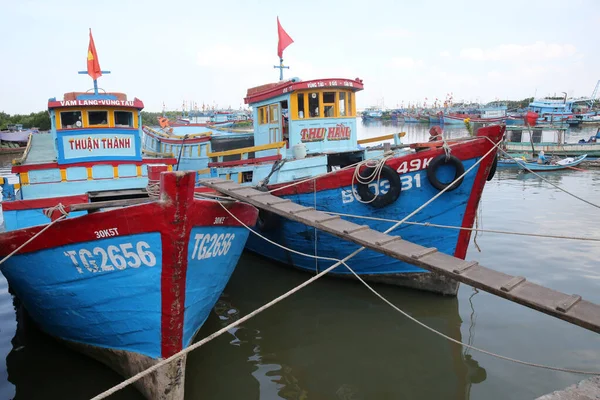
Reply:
x=43, y=203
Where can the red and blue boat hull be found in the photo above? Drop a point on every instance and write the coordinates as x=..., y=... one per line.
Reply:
x=333, y=193
x=131, y=286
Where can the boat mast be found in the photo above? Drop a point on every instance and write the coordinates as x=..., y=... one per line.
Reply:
x=281, y=67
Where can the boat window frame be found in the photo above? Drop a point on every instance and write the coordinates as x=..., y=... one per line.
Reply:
x=87, y=112
x=62, y=126
x=132, y=124
x=305, y=93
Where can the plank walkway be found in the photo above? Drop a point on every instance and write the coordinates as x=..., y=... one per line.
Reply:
x=571, y=308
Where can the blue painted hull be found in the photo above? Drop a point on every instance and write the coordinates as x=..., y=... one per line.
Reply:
x=133, y=285
x=449, y=210
x=75, y=294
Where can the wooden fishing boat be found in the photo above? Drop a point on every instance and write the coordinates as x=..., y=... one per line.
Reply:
x=532, y=165
x=124, y=273
x=549, y=139
x=318, y=140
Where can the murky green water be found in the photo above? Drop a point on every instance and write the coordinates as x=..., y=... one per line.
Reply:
x=335, y=340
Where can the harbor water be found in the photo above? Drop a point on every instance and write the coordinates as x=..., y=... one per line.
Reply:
x=336, y=340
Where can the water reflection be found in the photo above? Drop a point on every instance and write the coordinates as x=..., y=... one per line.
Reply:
x=333, y=339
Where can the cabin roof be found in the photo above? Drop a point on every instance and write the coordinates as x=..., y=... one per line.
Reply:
x=81, y=99
x=270, y=90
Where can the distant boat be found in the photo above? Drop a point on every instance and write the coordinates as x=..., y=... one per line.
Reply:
x=550, y=139
x=533, y=165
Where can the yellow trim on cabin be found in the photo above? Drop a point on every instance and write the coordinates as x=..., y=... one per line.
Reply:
x=277, y=145
x=1, y=180
x=138, y=170
x=89, y=173
x=349, y=103
x=228, y=176
x=204, y=171
x=381, y=138
x=63, y=175
x=116, y=171
x=17, y=186
x=24, y=178
x=170, y=168
x=240, y=177
x=111, y=116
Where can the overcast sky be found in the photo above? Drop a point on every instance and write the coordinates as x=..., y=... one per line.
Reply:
x=212, y=51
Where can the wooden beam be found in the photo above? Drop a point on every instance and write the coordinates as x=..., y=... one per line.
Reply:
x=252, y=149
x=106, y=204
x=570, y=308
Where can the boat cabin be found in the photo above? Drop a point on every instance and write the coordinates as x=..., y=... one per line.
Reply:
x=319, y=114
x=92, y=153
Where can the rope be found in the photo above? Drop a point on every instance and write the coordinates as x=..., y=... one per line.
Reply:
x=468, y=346
x=153, y=189
x=194, y=346
x=469, y=229
x=377, y=167
x=353, y=165
x=48, y=213
x=546, y=180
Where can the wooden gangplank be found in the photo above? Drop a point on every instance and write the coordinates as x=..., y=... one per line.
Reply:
x=571, y=308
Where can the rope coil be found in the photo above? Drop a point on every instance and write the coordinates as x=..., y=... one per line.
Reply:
x=377, y=166
x=153, y=189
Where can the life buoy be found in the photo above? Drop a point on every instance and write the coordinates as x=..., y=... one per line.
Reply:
x=267, y=221
x=493, y=168
x=443, y=160
x=380, y=200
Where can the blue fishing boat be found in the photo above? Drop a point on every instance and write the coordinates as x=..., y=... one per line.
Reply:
x=111, y=252
x=552, y=140
x=311, y=156
x=532, y=165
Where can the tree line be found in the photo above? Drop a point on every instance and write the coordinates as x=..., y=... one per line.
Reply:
x=41, y=120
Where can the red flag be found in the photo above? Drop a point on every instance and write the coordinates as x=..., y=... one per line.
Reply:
x=284, y=39
x=93, y=66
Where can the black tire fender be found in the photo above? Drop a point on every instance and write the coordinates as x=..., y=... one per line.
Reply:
x=443, y=160
x=381, y=200
x=267, y=221
x=493, y=168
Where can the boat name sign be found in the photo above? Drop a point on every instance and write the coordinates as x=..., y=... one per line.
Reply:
x=317, y=84
x=338, y=132
x=91, y=143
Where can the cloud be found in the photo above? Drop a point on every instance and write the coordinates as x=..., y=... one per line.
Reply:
x=537, y=50
x=405, y=63
x=445, y=53
x=394, y=33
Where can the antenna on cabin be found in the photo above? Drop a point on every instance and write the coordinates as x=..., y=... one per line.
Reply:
x=93, y=66
x=281, y=67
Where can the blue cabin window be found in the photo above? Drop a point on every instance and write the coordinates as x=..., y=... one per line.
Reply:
x=70, y=119
x=124, y=119
x=97, y=118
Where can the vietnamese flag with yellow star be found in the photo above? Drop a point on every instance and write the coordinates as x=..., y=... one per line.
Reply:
x=93, y=66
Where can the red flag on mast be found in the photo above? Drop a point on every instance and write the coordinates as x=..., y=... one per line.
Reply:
x=93, y=66
x=284, y=39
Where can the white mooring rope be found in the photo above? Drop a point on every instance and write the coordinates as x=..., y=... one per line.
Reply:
x=47, y=212
x=207, y=339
